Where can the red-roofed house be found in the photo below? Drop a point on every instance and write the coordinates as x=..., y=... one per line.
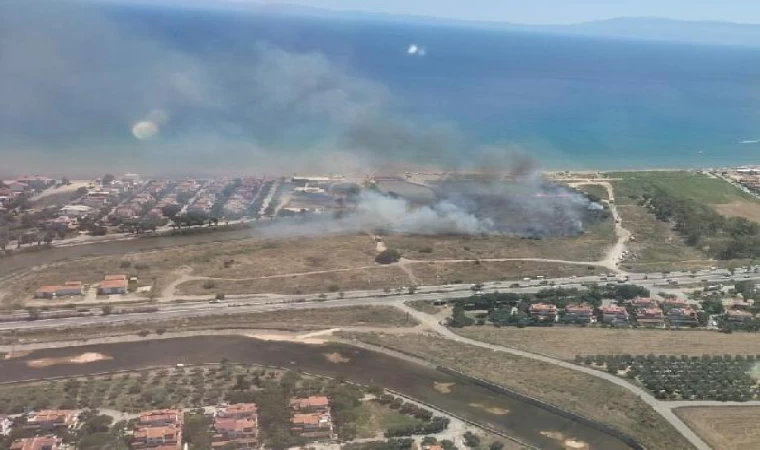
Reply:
x=644, y=302
x=68, y=289
x=650, y=317
x=161, y=417
x=310, y=404
x=614, y=314
x=49, y=419
x=578, y=313
x=682, y=317
x=243, y=433
x=113, y=284
x=543, y=312
x=313, y=425
x=158, y=437
x=38, y=443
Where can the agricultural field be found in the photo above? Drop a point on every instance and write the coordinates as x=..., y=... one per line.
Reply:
x=682, y=184
x=572, y=390
x=716, y=377
x=724, y=427
x=567, y=342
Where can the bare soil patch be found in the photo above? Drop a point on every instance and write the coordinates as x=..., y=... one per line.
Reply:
x=443, y=388
x=725, y=427
x=84, y=358
x=337, y=358
x=741, y=208
x=566, y=342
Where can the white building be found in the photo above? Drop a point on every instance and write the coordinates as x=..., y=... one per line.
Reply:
x=75, y=210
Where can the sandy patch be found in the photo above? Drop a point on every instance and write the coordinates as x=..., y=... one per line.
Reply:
x=84, y=358
x=490, y=409
x=556, y=435
x=286, y=338
x=337, y=358
x=18, y=354
x=443, y=388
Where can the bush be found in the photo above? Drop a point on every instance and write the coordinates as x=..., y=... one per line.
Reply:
x=388, y=256
x=209, y=284
x=143, y=333
x=125, y=264
x=141, y=266
x=333, y=288
x=471, y=440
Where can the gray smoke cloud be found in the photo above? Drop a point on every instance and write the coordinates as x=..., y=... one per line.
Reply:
x=524, y=207
x=78, y=83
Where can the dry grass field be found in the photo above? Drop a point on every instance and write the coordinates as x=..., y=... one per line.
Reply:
x=479, y=271
x=590, y=246
x=725, y=427
x=566, y=342
x=374, y=278
x=655, y=242
x=575, y=391
x=740, y=208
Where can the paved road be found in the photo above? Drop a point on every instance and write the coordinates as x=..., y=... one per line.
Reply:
x=663, y=408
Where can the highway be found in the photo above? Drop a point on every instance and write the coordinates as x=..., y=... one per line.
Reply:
x=199, y=306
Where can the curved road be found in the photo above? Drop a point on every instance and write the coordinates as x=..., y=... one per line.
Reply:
x=665, y=409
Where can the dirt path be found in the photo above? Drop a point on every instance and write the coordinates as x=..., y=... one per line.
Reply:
x=664, y=408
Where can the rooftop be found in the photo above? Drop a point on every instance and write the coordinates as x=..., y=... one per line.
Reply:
x=310, y=402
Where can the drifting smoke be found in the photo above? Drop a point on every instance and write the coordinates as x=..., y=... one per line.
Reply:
x=527, y=207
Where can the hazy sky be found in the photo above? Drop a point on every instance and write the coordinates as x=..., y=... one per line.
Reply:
x=538, y=11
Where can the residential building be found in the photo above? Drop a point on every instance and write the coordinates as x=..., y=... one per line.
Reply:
x=236, y=424
x=614, y=314
x=650, y=317
x=682, y=317
x=36, y=182
x=311, y=418
x=75, y=210
x=243, y=433
x=49, y=419
x=16, y=187
x=161, y=417
x=38, y=443
x=238, y=411
x=112, y=287
x=643, y=302
x=578, y=313
x=543, y=312
x=674, y=302
x=738, y=315
x=68, y=289
x=158, y=438
x=312, y=404
x=313, y=425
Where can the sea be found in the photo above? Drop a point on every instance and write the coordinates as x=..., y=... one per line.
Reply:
x=430, y=93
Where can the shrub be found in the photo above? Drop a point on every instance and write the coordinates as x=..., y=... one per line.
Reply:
x=388, y=256
x=141, y=266
x=125, y=264
x=209, y=284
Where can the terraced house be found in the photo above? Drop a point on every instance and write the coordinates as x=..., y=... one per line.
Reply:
x=311, y=418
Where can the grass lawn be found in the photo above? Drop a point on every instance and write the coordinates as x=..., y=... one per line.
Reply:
x=684, y=184
x=308, y=319
x=374, y=418
x=566, y=342
x=590, y=246
x=575, y=391
x=725, y=427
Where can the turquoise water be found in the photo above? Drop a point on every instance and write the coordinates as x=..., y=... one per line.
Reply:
x=567, y=102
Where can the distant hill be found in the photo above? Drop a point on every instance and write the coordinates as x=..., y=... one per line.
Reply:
x=633, y=28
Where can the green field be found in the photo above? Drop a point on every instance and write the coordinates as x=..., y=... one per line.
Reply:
x=683, y=184
x=595, y=190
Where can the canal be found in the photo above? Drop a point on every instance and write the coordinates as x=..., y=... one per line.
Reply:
x=529, y=423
